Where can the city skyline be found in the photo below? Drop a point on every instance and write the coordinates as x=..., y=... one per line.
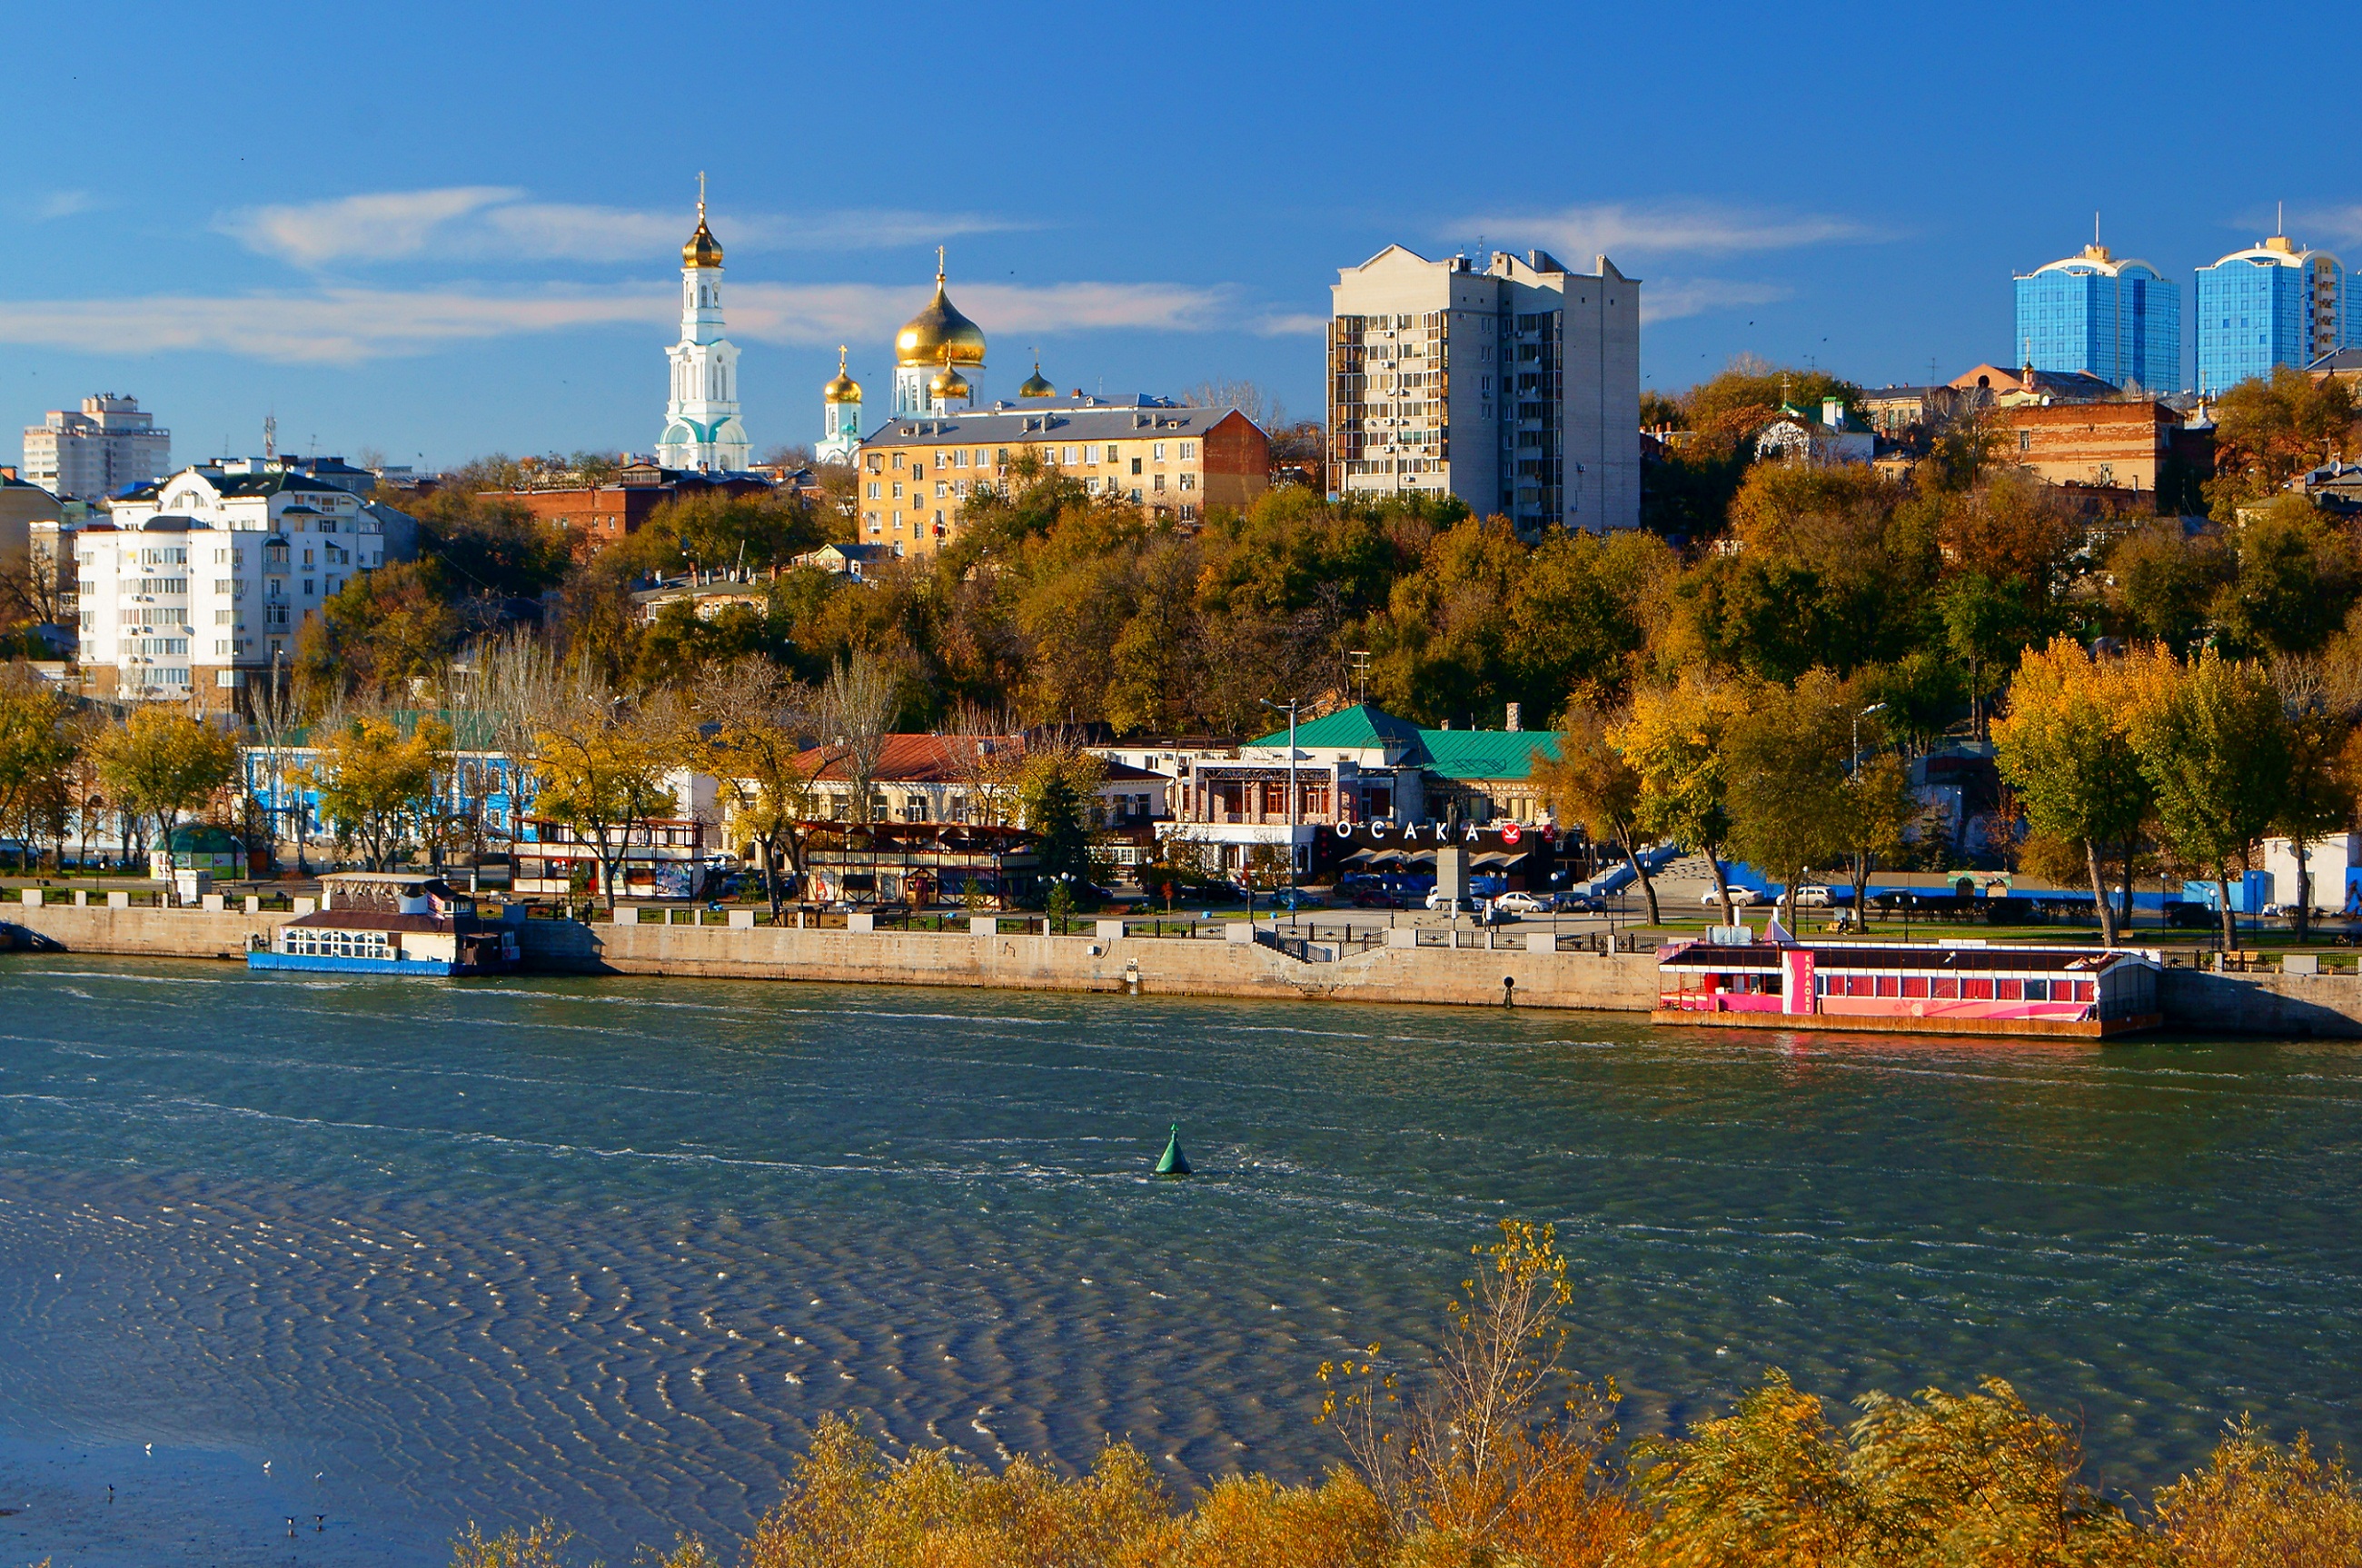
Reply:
x=478, y=254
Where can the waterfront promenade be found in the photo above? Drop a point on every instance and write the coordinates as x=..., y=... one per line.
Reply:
x=1511, y=968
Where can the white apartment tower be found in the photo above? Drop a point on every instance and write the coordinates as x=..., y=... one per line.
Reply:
x=703, y=430
x=207, y=576
x=94, y=453
x=1516, y=388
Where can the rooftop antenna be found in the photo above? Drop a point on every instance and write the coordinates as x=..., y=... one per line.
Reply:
x=2279, y=219
x=270, y=437
x=2095, y=231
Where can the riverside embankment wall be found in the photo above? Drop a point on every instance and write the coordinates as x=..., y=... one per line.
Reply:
x=2281, y=1005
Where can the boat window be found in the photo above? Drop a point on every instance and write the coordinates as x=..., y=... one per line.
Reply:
x=1946, y=985
x=2010, y=990
x=1915, y=985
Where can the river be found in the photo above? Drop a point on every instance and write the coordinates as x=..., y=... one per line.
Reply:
x=601, y=1249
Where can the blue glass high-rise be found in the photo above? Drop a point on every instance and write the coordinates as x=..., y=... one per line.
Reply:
x=2120, y=321
x=2270, y=304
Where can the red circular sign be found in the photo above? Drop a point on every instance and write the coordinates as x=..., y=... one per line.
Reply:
x=1511, y=832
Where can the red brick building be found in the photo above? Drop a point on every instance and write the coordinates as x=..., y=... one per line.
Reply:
x=595, y=517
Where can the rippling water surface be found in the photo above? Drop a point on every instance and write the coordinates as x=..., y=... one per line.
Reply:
x=603, y=1249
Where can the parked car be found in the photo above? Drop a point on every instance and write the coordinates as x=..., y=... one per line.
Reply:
x=1813, y=896
x=1527, y=903
x=1740, y=897
x=1298, y=899
x=1379, y=899
x=1488, y=909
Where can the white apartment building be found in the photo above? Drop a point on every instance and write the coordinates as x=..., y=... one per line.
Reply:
x=1517, y=388
x=201, y=578
x=96, y=452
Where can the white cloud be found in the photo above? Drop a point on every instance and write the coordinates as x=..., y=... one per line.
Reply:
x=2340, y=225
x=62, y=204
x=332, y=327
x=1292, y=323
x=1665, y=228
x=350, y=326
x=1673, y=300
x=385, y=225
x=475, y=222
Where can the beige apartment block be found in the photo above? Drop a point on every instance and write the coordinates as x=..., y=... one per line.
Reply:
x=1516, y=388
x=917, y=473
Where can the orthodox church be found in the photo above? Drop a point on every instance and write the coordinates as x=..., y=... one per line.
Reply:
x=930, y=353
x=703, y=430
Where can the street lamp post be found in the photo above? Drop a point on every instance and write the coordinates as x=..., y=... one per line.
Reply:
x=1289, y=709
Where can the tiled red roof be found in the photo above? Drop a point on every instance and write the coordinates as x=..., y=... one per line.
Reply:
x=905, y=759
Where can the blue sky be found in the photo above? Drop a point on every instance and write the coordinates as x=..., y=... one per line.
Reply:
x=441, y=230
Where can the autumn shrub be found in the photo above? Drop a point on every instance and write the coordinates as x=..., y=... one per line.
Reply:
x=2258, y=1503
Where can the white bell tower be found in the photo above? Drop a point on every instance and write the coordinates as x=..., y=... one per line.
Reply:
x=702, y=425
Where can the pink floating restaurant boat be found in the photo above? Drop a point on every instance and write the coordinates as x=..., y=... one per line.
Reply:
x=1734, y=977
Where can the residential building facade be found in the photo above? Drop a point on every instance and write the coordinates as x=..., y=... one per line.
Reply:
x=2268, y=305
x=1516, y=388
x=91, y=454
x=203, y=577
x=1173, y=461
x=597, y=515
x=2109, y=445
x=2118, y=319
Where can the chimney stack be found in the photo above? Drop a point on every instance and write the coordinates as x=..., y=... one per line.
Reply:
x=1515, y=718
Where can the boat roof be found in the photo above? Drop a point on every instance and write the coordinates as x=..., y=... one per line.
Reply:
x=1898, y=955
x=374, y=919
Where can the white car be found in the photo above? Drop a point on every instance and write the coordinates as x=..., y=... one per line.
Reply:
x=1740, y=898
x=1813, y=896
x=1525, y=903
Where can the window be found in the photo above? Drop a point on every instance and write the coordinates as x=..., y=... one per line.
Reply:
x=1157, y=483
x=1135, y=466
x=1111, y=457
x=898, y=490
x=1188, y=481
x=873, y=490
x=1188, y=451
x=1156, y=450
x=1188, y=512
x=2026, y=440
x=898, y=459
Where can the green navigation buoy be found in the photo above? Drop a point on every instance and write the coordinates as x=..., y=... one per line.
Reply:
x=1175, y=1163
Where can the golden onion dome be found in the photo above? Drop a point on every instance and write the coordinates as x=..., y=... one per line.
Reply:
x=1037, y=384
x=844, y=387
x=702, y=249
x=947, y=384
x=939, y=334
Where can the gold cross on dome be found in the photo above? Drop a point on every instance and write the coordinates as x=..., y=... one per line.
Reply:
x=700, y=195
x=939, y=264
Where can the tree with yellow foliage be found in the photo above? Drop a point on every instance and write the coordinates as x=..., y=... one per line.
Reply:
x=1590, y=783
x=2065, y=748
x=1675, y=738
x=602, y=767
x=377, y=784
x=163, y=763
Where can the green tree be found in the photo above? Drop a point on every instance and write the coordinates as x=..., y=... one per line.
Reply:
x=2269, y=429
x=1876, y=815
x=380, y=630
x=1790, y=802
x=2213, y=740
x=2162, y=582
x=2294, y=577
x=2321, y=700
